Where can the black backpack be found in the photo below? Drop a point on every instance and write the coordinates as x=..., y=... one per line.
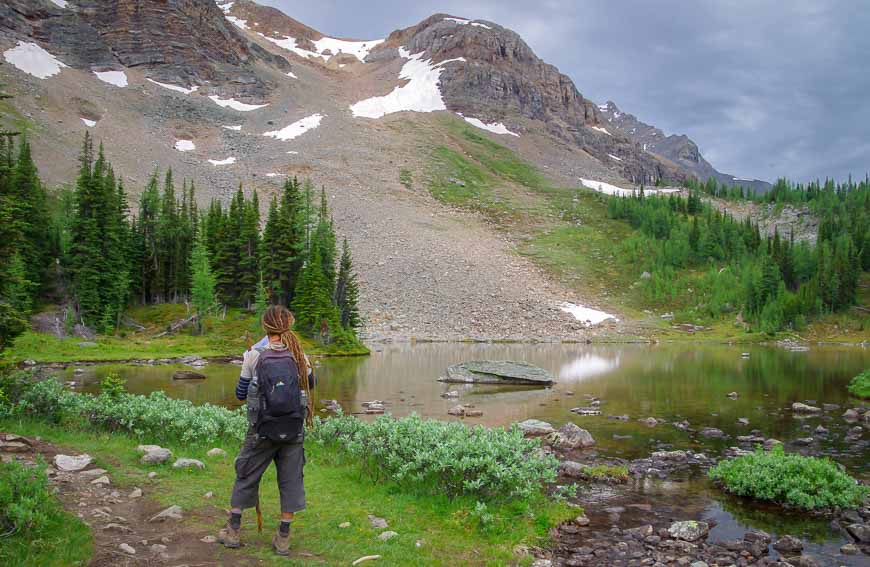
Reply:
x=281, y=411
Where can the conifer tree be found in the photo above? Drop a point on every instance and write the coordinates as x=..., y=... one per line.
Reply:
x=202, y=285
x=347, y=290
x=312, y=302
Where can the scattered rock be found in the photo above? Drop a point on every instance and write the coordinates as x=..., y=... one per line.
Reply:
x=498, y=372
x=799, y=407
x=850, y=549
x=452, y=394
x=208, y=495
x=93, y=472
x=116, y=528
x=585, y=411
x=820, y=430
x=788, y=544
x=570, y=436
x=830, y=407
x=851, y=415
x=860, y=532
x=216, y=452
x=689, y=530
x=457, y=411
x=147, y=448
x=581, y=520
x=152, y=474
x=619, y=417
x=378, y=523
x=103, y=480
x=771, y=443
x=156, y=456
x=712, y=433
x=344, y=525
x=535, y=427
x=72, y=463
x=384, y=536
x=157, y=548
x=803, y=441
x=127, y=548
x=473, y=413
x=136, y=493
x=171, y=513
x=208, y=539
x=742, y=421
x=185, y=463
x=733, y=395
x=649, y=421
x=542, y=563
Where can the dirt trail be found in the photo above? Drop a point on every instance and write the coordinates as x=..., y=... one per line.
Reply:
x=117, y=516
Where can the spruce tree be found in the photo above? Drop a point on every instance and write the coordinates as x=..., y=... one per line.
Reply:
x=312, y=302
x=347, y=290
x=202, y=284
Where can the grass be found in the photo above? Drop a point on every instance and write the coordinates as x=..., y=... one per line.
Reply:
x=35, y=531
x=223, y=337
x=605, y=473
x=337, y=492
x=860, y=385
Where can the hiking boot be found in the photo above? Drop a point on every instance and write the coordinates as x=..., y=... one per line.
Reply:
x=281, y=544
x=230, y=537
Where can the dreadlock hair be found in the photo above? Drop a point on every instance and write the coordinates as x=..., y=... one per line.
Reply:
x=278, y=320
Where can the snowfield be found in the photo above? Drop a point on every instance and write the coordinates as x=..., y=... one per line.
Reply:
x=587, y=315
x=33, y=60
x=238, y=22
x=420, y=94
x=495, y=127
x=359, y=49
x=185, y=145
x=234, y=104
x=297, y=128
x=228, y=161
x=175, y=88
x=116, y=78
x=89, y=123
x=609, y=189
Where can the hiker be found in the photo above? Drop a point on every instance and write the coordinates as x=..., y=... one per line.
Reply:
x=273, y=381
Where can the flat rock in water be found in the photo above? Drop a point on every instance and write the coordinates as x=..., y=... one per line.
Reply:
x=798, y=407
x=70, y=463
x=498, y=372
x=187, y=375
x=571, y=436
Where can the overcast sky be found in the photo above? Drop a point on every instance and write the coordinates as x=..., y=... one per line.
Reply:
x=765, y=88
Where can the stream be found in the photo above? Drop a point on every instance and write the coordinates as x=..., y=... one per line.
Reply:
x=668, y=382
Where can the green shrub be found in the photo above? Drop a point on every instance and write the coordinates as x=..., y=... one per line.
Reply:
x=156, y=416
x=443, y=458
x=802, y=482
x=34, y=529
x=860, y=385
x=112, y=386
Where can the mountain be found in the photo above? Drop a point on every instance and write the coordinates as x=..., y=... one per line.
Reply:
x=679, y=149
x=236, y=92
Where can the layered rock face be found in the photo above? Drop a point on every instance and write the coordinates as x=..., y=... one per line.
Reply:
x=183, y=42
x=680, y=149
x=503, y=78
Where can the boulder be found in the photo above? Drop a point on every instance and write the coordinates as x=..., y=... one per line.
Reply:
x=498, y=372
x=384, y=536
x=788, y=544
x=573, y=469
x=457, y=411
x=689, y=530
x=188, y=375
x=649, y=421
x=147, y=448
x=799, y=407
x=473, y=412
x=216, y=452
x=860, y=532
x=171, y=513
x=72, y=463
x=103, y=480
x=156, y=456
x=127, y=548
x=570, y=436
x=377, y=523
x=536, y=427
x=712, y=433
x=742, y=421
x=185, y=463
x=851, y=415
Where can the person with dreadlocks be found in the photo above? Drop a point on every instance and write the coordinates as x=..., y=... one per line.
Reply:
x=276, y=381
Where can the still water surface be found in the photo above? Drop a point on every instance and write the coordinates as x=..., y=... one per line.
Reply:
x=670, y=382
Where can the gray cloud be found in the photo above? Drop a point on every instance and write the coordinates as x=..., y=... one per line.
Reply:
x=766, y=88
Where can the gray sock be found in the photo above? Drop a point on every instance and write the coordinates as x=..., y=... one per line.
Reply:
x=284, y=528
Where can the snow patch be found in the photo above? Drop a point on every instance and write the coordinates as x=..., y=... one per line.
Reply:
x=420, y=94
x=291, y=152
x=175, y=88
x=602, y=130
x=33, y=60
x=228, y=161
x=238, y=22
x=60, y=3
x=274, y=175
x=117, y=78
x=234, y=104
x=89, y=123
x=359, y=49
x=603, y=107
x=236, y=128
x=586, y=315
x=290, y=74
x=185, y=145
x=463, y=21
x=615, y=157
x=226, y=7
x=297, y=128
x=495, y=127
x=609, y=189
